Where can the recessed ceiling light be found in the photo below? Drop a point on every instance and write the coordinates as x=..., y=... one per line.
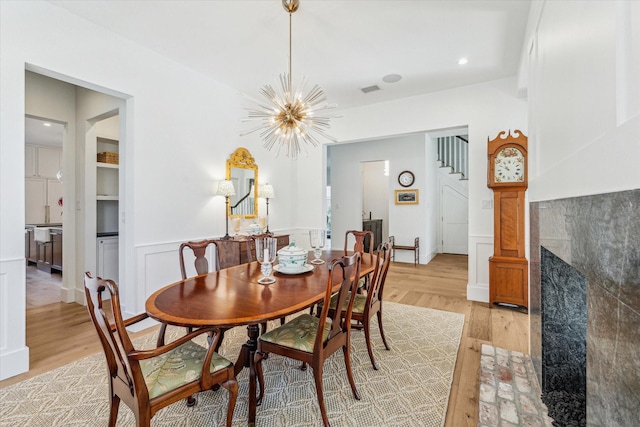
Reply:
x=47, y=124
x=462, y=61
x=392, y=78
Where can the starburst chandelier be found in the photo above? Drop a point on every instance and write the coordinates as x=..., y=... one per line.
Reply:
x=289, y=119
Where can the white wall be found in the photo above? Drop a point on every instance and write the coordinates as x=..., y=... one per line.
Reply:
x=406, y=222
x=486, y=109
x=584, y=77
x=180, y=130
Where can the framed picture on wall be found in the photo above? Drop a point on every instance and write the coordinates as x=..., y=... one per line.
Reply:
x=406, y=197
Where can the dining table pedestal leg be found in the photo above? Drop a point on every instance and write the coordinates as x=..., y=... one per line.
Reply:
x=245, y=360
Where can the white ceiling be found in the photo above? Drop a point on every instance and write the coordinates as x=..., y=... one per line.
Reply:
x=42, y=132
x=341, y=45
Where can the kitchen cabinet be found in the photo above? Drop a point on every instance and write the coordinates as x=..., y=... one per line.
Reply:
x=234, y=251
x=107, y=262
x=45, y=256
x=42, y=162
x=31, y=247
x=56, y=249
x=41, y=201
x=375, y=226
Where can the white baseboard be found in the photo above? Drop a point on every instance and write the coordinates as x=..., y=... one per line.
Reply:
x=478, y=292
x=14, y=363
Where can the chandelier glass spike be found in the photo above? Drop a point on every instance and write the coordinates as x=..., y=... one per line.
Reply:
x=289, y=118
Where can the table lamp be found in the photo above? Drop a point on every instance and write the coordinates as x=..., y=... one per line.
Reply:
x=266, y=192
x=225, y=188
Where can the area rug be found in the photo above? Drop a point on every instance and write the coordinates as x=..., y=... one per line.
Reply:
x=411, y=387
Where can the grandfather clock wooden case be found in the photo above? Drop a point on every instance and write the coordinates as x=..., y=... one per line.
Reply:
x=507, y=176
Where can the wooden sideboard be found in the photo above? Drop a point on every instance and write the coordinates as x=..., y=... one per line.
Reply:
x=234, y=251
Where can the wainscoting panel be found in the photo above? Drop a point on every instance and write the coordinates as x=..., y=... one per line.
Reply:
x=14, y=354
x=478, y=286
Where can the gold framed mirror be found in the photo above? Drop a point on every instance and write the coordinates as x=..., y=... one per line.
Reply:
x=242, y=171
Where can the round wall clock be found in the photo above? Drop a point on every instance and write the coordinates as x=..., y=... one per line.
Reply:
x=406, y=178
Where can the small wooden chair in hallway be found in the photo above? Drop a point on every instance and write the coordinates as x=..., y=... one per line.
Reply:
x=312, y=339
x=415, y=248
x=149, y=380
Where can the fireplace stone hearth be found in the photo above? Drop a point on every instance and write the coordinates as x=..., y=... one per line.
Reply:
x=599, y=237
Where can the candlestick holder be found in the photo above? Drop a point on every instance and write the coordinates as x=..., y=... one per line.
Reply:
x=266, y=255
x=317, y=239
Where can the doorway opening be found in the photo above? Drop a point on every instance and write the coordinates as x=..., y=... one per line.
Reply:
x=84, y=114
x=375, y=200
x=44, y=189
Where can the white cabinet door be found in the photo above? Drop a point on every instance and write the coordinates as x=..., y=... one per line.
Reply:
x=49, y=162
x=35, y=200
x=108, y=258
x=40, y=195
x=54, y=194
x=30, y=166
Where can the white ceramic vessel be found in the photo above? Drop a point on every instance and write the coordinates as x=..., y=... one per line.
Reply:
x=292, y=259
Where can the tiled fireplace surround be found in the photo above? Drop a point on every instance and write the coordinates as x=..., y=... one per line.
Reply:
x=599, y=236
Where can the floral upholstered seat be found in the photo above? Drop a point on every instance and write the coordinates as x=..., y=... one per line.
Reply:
x=177, y=367
x=358, y=304
x=299, y=333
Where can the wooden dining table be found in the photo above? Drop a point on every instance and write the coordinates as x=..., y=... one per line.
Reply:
x=233, y=297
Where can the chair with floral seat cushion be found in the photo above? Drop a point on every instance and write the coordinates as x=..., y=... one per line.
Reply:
x=201, y=264
x=149, y=380
x=365, y=306
x=312, y=339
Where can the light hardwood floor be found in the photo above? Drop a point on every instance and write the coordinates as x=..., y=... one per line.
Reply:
x=61, y=333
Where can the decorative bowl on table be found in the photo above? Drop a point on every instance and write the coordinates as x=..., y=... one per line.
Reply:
x=292, y=259
x=254, y=228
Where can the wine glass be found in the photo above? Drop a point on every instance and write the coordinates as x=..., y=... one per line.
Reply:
x=237, y=224
x=266, y=256
x=317, y=238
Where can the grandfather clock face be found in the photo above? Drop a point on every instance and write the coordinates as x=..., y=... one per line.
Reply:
x=509, y=166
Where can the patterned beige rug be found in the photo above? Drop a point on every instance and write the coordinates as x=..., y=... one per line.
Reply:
x=411, y=388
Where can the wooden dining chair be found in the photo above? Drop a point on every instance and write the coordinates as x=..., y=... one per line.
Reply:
x=312, y=339
x=201, y=263
x=359, y=245
x=149, y=380
x=365, y=306
x=199, y=250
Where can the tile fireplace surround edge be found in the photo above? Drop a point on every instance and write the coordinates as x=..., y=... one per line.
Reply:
x=599, y=236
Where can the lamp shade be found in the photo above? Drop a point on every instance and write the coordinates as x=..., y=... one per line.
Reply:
x=225, y=188
x=266, y=191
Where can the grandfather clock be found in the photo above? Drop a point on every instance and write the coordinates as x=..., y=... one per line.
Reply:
x=508, y=267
